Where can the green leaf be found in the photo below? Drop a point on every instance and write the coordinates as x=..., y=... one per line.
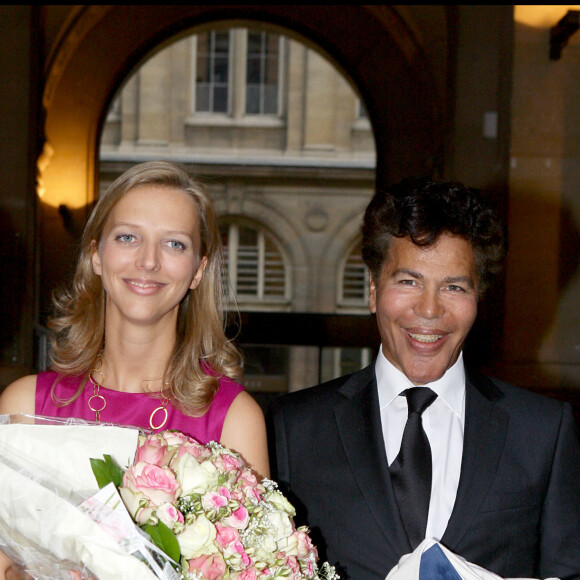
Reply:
x=107, y=470
x=164, y=539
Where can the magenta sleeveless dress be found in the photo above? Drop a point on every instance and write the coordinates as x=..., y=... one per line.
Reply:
x=134, y=409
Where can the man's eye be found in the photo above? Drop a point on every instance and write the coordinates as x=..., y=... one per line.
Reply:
x=455, y=288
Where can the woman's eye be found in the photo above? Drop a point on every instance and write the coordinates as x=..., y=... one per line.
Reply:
x=125, y=238
x=176, y=245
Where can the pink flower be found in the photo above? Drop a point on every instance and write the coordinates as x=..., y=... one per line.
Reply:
x=212, y=567
x=158, y=484
x=216, y=499
x=154, y=449
x=226, y=535
x=169, y=515
x=238, y=519
x=292, y=563
x=239, y=548
x=230, y=462
x=246, y=477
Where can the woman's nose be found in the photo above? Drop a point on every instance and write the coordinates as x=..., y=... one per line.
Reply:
x=148, y=257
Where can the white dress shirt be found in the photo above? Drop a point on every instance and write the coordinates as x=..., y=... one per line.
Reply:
x=443, y=422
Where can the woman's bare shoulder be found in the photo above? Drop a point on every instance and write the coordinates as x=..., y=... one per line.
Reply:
x=19, y=396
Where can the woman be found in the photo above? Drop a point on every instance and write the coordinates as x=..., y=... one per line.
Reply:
x=139, y=339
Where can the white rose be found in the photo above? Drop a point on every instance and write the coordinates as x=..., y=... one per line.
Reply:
x=195, y=477
x=279, y=525
x=280, y=502
x=198, y=539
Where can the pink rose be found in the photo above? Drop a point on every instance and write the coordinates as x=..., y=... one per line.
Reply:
x=229, y=462
x=226, y=535
x=158, y=484
x=305, y=545
x=238, y=519
x=154, y=449
x=216, y=499
x=169, y=515
x=246, y=477
x=212, y=567
x=239, y=549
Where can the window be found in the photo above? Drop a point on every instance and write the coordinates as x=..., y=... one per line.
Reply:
x=212, y=72
x=262, y=73
x=254, y=263
x=355, y=279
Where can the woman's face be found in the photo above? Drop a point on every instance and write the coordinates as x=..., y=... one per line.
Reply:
x=148, y=254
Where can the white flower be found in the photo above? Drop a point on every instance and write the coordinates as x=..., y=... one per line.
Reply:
x=195, y=477
x=279, y=525
x=280, y=502
x=198, y=539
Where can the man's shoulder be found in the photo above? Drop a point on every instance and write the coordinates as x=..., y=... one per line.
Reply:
x=325, y=393
x=512, y=397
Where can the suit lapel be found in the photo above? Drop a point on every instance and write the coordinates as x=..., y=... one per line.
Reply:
x=359, y=425
x=485, y=432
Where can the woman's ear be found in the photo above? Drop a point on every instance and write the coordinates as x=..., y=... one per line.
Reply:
x=198, y=276
x=96, y=258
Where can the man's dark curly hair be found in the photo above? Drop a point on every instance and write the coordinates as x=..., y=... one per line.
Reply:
x=423, y=209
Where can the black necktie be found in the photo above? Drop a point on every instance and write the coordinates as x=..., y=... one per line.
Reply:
x=411, y=470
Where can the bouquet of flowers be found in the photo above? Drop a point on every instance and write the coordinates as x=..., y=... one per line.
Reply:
x=208, y=512
x=181, y=510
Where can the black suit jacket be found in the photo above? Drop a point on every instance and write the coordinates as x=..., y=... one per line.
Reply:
x=517, y=510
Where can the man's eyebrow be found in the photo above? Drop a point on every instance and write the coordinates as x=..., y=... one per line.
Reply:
x=468, y=280
x=461, y=279
x=407, y=272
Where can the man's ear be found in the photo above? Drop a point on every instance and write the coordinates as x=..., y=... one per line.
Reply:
x=198, y=276
x=372, y=294
x=95, y=258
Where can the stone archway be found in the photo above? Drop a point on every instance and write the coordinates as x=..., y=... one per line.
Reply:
x=372, y=44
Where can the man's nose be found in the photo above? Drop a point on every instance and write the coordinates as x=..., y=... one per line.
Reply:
x=429, y=304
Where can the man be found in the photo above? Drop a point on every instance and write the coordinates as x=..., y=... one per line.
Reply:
x=499, y=472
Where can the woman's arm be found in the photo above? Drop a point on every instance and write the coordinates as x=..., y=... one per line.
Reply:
x=244, y=431
x=19, y=397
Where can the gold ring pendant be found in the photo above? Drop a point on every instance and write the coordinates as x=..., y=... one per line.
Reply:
x=160, y=408
x=97, y=412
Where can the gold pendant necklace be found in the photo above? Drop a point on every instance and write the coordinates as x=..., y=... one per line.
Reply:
x=97, y=402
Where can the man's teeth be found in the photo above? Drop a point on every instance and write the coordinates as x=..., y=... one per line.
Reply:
x=426, y=337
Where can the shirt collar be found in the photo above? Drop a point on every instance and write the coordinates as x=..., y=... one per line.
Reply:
x=450, y=387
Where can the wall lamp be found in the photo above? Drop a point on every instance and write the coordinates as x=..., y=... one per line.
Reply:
x=560, y=33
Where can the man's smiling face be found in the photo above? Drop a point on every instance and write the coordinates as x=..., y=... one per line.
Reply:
x=425, y=302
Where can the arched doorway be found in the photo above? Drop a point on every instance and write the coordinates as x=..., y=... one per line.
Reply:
x=102, y=44
x=372, y=45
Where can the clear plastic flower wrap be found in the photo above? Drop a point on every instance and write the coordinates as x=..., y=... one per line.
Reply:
x=53, y=518
x=188, y=511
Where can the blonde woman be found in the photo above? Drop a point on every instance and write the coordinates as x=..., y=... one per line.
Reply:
x=139, y=339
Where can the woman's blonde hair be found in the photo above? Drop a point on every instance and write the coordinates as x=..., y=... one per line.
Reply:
x=202, y=353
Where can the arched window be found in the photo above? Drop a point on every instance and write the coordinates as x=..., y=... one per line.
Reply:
x=255, y=263
x=354, y=282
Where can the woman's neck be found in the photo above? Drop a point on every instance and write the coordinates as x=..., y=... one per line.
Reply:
x=135, y=359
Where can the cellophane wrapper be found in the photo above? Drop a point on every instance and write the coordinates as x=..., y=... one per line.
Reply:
x=53, y=517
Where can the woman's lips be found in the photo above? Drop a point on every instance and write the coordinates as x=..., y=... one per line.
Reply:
x=144, y=285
